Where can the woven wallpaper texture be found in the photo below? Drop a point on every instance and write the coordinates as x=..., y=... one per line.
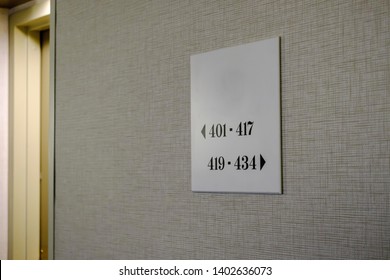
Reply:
x=123, y=158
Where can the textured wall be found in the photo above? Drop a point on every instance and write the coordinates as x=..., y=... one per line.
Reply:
x=123, y=131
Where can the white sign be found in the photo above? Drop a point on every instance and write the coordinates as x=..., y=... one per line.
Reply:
x=235, y=119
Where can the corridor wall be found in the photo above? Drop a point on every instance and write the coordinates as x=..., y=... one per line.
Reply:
x=3, y=134
x=123, y=158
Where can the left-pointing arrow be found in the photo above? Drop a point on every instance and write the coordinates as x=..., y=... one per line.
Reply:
x=204, y=131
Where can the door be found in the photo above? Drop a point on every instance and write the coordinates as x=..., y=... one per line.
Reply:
x=45, y=76
x=25, y=134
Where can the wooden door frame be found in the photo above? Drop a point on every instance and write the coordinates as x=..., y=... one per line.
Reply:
x=24, y=151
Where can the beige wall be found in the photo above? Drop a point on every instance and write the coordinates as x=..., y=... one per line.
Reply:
x=123, y=131
x=3, y=133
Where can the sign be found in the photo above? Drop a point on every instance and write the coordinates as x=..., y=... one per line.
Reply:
x=235, y=119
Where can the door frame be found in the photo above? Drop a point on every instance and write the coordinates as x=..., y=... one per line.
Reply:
x=24, y=118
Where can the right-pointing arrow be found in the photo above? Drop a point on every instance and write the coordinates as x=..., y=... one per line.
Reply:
x=204, y=131
x=262, y=162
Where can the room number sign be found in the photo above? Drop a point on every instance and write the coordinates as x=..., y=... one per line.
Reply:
x=235, y=119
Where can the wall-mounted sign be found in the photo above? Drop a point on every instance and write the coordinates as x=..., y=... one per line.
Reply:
x=235, y=119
